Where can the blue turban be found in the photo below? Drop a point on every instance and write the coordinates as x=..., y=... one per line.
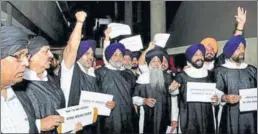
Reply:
x=129, y=53
x=13, y=39
x=110, y=50
x=136, y=54
x=190, y=51
x=152, y=53
x=232, y=45
x=164, y=51
x=84, y=47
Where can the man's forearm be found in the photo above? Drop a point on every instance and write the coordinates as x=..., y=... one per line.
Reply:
x=71, y=49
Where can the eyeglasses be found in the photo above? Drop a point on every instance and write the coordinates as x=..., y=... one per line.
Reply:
x=20, y=57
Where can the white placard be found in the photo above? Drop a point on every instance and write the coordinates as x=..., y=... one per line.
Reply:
x=119, y=29
x=200, y=92
x=248, y=101
x=161, y=39
x=97, y=100
x=133, y=43
x=104, y=21
x=72, y=115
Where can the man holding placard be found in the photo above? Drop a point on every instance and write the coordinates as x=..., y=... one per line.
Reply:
x=111, y=81
x=238, y=81
x=196, y=114
x=152, y=96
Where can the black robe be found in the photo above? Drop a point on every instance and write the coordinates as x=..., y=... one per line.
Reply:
x=28, y=108
x=113, y=83
x=230, y=81
x=157, y=118
x=195, y=117
x=46, y=96
x=131, y=79
x=82, y=82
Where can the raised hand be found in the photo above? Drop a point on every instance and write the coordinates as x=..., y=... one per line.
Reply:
x=80, y=16
x=241, y=15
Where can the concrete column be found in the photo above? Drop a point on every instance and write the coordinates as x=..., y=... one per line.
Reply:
x=129, y=14
x=139, y=11
x=9, y=14
x=158, y=17
x=116, y=9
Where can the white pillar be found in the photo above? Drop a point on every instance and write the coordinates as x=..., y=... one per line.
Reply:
x=158, y=17
x=129, y=14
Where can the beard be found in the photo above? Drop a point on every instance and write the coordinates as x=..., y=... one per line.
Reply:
x=239, y=59
x=127, y=66
x=198, y=63
x=116, y=64
x=157, y=78
x=135, y=66
x=209, y=57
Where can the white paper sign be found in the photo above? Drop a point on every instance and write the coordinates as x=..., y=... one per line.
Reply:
x=96, y=100
x=103, y=21
x=169, y=129
x=161, y=39
x=133, y=43
x=248, y=101
x=119, y=29
x=200, y=92
x=72, y=115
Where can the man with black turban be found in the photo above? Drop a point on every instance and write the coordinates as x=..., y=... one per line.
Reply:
x=195, y=117
x=152, y=95
x=17, y=114
x=231, y=77
x=111, y=80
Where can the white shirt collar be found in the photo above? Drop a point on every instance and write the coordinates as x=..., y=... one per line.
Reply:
x=10, y=94
x=90, y=71
x=231, y=65
x=32, y=75
x=109, y=66
x=196, y=73
x=208, y=65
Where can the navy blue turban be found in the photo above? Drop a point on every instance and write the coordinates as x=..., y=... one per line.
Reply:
x=13, y=39
x=36, y=44
x=84, y=47
x=232, y=45
x=152, y=53
x=136, y=55
x=129, y=53
x=190, y=51
x=110, y=50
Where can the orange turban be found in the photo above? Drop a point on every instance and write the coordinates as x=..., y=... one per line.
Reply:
x=210, y=41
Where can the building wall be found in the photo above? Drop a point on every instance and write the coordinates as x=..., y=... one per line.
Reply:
x=43, y=14
x=196, y=20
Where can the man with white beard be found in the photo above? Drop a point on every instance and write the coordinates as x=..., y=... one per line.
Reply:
x=152, y=95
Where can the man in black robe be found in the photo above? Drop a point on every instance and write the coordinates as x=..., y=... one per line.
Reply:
x=111, y=81
x=17, y=114
x=42, y=89
x=195, y=117
x=152, y=95
x=231, y=77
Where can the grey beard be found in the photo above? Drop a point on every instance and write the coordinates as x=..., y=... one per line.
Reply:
x=127, y=66
x=116, y=65
x=157, y=78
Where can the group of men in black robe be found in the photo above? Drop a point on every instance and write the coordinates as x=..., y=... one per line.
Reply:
x=147, y=96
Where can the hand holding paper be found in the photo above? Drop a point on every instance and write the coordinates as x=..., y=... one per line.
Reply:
x=110, y=104
x=50, y=122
